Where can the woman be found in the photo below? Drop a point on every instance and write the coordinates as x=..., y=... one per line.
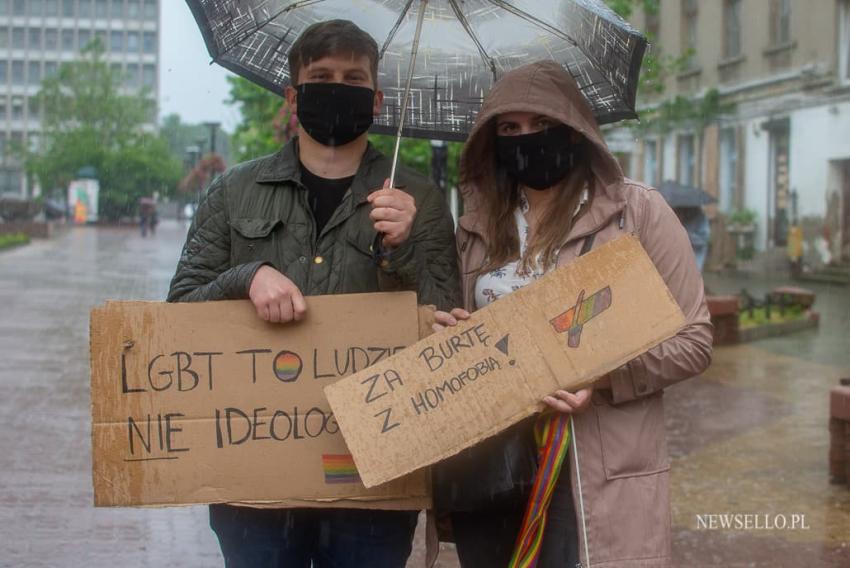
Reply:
x=540, y=188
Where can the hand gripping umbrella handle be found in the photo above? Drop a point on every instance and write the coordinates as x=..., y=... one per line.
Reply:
x=421, y=17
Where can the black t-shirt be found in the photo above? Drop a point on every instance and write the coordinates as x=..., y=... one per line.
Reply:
x=324, y=195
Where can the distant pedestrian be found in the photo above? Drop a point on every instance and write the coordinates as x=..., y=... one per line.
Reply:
x=698, y=228
x=148, y=217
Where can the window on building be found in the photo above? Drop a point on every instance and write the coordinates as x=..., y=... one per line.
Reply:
x=101, y=9
x=68, y=8
x=16, y=178
x=132, y=76
x=17, y=109
x=134, y=11
x=33, y=108
x=84, y=8
x=83, y=38
x=115, y=68
x=33, y=141
x=68, y=40
x=35, y=38
x=133, y=42
x=4, y=7
x=3, y=66
x=51, y=8
x=728, y=169
x=19, y=38
x=17, y=72
x=4, y=37
x=102, y=37
x=51, y=39
x=149, y=41
x=50, y=68
x=686, y=166
x=149, y=76
x=689, y=31
x=36, y=7
x=780, y=21
x=19, y=7
x=650, y=162
x=150, y=9
x=653, y=25
x=844, y=42
x=34, y=73
x=117, y=9
x=116, y=41
x=2, y=113
x=731, y=28
x=3, y=148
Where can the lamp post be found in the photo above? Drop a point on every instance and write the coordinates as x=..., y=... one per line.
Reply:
x=213, y=126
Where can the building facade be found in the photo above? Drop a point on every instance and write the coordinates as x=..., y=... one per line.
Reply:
x=783, y=152
x=36, y=36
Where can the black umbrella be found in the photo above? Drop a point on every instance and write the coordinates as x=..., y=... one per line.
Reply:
x=463, y=47
x=678, y=195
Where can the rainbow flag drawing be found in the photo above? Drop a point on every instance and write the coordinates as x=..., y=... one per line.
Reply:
x=339, y=468
x=585, y=309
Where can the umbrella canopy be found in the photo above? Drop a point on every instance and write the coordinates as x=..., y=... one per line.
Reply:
x=678, y=195
x=465, y=46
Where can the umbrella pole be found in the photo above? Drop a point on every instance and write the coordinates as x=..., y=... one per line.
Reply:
x=421, y=17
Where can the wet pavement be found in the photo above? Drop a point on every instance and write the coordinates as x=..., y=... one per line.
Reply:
x=750, y=436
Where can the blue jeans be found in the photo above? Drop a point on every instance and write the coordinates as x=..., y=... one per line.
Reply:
x=321, y=538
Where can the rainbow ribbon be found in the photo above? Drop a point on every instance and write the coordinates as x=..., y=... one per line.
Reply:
x=552, y=431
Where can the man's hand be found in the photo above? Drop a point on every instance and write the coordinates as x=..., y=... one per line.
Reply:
x=446, y=319
x=570, y=403
x=276, y=298
x=393, y=212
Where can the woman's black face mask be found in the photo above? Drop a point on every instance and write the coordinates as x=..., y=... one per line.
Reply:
x=538, y=160
x=334, y=114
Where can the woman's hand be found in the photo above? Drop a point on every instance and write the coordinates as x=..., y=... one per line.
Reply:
x=570, y=403
x=445, y=319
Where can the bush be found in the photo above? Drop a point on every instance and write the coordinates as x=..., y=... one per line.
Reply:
x=13, y=240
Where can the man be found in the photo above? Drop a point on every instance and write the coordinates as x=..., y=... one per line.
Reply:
x=311, y=220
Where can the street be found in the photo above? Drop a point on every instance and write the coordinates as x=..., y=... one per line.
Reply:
x=749, y=437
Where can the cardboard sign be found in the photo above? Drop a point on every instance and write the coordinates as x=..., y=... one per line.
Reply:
x=206, y=403
x=472, y=381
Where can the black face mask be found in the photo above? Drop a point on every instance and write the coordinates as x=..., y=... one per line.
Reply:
x=538, y=160
x=334, y=114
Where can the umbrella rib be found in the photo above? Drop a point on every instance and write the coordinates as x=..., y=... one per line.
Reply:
x=466, y=26
x=260, y=26
x=534, y=20
x=395, y=28
x=548, y=27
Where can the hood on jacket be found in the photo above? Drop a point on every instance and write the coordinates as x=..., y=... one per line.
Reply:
x=546, y=88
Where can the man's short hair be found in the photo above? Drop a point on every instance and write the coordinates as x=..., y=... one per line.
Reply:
x=332, y=37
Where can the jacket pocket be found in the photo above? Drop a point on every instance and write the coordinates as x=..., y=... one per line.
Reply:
x=633, y=438
x=363, y=243
x=253, y=239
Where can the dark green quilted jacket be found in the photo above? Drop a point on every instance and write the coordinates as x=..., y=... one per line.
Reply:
x=257, y=213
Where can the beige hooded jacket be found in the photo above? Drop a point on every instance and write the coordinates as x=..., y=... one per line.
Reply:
x=618, y=461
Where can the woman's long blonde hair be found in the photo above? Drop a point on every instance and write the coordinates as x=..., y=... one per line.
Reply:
x=500, y=197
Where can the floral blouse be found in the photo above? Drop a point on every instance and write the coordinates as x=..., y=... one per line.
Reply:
x=493, y=285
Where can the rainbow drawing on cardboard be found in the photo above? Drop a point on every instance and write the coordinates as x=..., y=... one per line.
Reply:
x=339, y=468
x=572, y=321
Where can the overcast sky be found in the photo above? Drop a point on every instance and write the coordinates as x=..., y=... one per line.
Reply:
x=189, y=85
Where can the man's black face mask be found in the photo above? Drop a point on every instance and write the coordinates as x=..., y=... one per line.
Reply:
x=538, y=160
x=334, y=114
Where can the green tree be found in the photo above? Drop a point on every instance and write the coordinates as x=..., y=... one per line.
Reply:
x=87, y=121
x=256, y=135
